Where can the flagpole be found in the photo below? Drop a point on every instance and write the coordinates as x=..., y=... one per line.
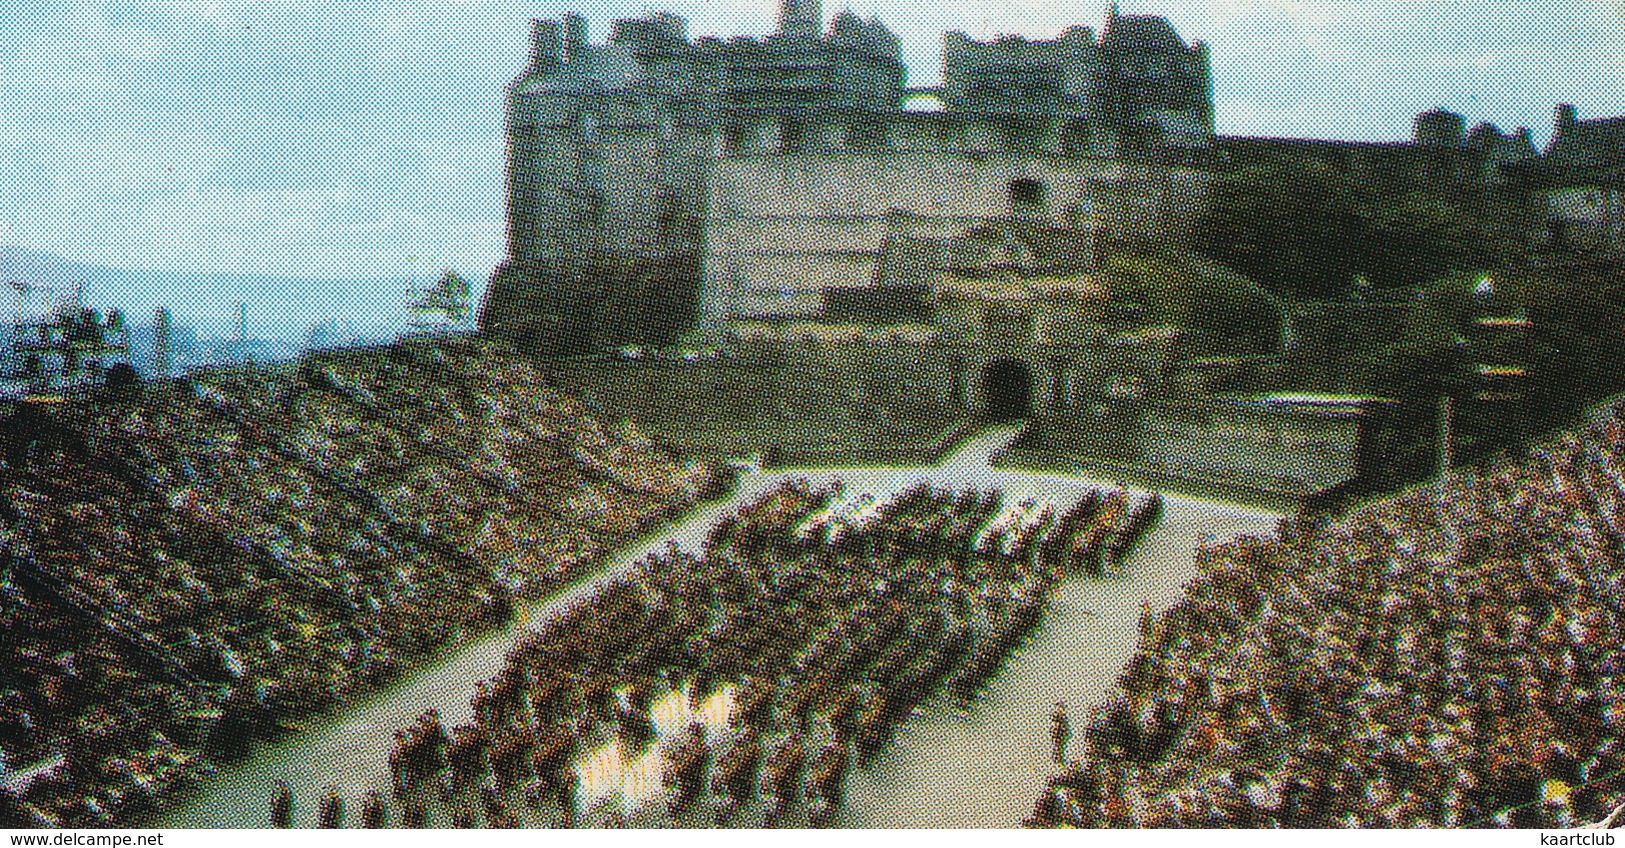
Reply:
x=1446, y=517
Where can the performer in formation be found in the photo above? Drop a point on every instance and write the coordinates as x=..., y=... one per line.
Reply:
x=819, y=622
x=282, y=805
x=1060, y=732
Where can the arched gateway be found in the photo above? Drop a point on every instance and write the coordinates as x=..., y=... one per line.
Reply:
x=1007, y=390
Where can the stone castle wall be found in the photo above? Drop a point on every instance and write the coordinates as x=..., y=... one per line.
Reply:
x=1242, y=444
x=774, y=231
x=849, y=399
x=894, y=402
x=1282, y=449
x=783, y=229
x=606, y=217
x=631, y=158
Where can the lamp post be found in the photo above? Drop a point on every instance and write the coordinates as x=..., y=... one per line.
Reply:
x=1447, y=409
x=1089, y=218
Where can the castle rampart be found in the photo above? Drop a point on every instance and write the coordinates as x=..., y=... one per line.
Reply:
x=647, y=174
x=872, y=267
x=784, y=229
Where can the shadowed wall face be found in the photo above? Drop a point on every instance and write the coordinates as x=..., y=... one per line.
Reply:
x=593, y=303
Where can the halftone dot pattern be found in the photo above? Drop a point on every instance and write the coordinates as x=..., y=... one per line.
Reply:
x=337, y=559
x=1367, y=671
x=271, y=545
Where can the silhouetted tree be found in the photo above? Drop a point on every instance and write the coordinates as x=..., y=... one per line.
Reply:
x=1291, y=224
x=1228, y=312
x=1305, y=229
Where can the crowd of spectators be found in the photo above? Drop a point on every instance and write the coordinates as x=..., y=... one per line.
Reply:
x=194, y=567
x=1447, y=657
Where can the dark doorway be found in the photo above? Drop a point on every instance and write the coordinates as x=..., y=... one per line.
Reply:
x=1007, y=390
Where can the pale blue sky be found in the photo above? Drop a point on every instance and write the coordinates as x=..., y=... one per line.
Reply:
x=340, y=138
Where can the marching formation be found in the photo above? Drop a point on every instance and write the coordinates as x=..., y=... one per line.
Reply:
x=740, y=685
x=1450, y=657
x=185, y=571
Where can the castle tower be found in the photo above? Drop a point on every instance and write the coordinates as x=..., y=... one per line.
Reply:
x=575, y=38
x=637, y=208
x=1440, y=127
x=800, y=18
x=1567, y=119
x=1153, y=90
x=606, y=165
x=546, y=46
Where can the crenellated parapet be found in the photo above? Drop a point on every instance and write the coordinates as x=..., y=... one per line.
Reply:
x=635, y=163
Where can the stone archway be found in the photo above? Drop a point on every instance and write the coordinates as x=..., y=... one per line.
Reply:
x=1007, y=390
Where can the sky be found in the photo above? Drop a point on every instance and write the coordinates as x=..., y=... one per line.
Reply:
x=363, y=138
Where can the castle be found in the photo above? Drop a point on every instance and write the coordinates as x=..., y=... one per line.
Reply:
x=1581, y=182
x=660, y=186
x=866, y=266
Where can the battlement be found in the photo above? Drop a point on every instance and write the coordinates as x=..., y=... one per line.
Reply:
x=1013, y=74
x=636, y=153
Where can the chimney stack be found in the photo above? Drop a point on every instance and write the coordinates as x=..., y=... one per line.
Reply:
x=800, y=18
x=545, y=44
x=575, y=37
x=1566, y=118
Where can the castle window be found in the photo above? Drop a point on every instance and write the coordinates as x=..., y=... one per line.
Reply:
x=1021, y=137
x=866, y=135
x=668, y=215
x=792, y=137
x=1075, y=137
x=1026, y=192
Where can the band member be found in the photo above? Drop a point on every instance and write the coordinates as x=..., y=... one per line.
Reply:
x=1060, y=731
x=331, y=813
x=373, y=813
x=282, y=805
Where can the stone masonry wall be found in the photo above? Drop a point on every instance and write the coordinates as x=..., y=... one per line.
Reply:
x=775, y=398
x=782, y=228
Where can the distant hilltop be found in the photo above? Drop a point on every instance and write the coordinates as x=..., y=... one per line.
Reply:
x=278, y=307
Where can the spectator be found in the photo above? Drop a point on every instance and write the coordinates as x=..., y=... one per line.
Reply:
x=1446, y=657
x=286, y=537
